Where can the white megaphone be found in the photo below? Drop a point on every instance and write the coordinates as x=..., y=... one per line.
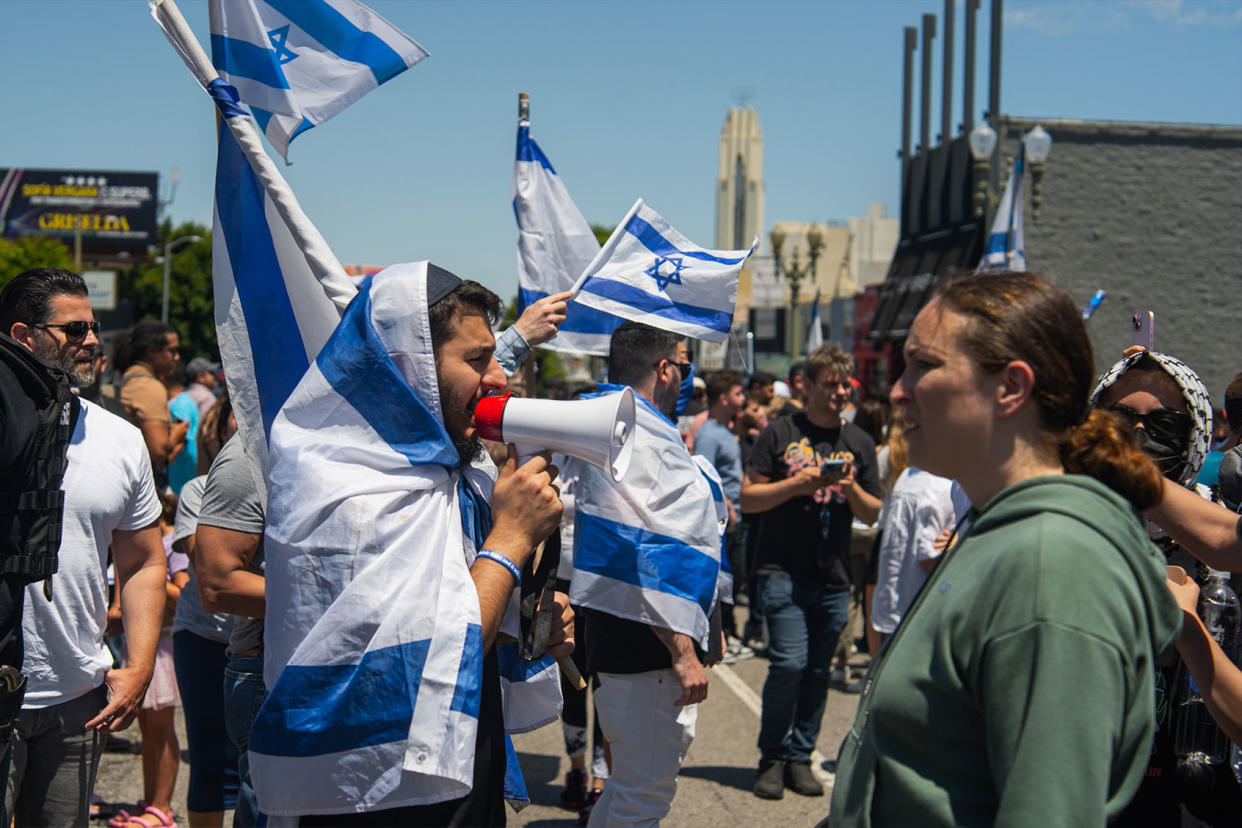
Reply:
x=598, y=431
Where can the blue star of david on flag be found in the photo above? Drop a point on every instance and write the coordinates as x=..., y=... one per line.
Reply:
x=278, y=37
x=661, y=274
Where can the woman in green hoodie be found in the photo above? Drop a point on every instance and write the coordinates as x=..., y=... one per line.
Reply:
x=1018, y=689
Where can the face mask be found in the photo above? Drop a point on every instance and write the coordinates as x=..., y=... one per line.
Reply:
x=687, y=391
x=1169, y=454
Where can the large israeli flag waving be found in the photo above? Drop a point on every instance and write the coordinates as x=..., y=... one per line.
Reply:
x=649, y=272
x=1006, y=248
x=297, y=63
x=555, y=245
x=649, y=548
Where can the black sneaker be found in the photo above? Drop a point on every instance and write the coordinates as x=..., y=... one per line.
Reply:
x=770, y=780
x=800, y=780
x=574, y=795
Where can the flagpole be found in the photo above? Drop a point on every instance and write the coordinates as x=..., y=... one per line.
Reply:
x=323, y=263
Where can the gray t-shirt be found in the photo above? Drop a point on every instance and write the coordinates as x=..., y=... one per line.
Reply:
x=190, y=615
x=232, y=500
x=717, y=444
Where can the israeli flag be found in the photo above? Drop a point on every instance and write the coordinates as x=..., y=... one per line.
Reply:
x=279, y=291
x=555, y=244
x=1006, y=248
x=297, y=63
x=814, y=331
x=650, y=548
x=649, y=272
x=373, y=645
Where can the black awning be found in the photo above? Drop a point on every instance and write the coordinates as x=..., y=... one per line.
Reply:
x=918, y=265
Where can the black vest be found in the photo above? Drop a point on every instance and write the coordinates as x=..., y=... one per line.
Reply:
x=37, y=416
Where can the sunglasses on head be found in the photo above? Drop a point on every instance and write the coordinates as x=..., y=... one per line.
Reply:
x=73, y=330
x=1161, y=422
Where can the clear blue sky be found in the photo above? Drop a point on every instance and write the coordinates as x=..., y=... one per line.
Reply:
x=628, y=101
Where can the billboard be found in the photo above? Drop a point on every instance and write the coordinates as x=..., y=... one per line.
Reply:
x=112, y=210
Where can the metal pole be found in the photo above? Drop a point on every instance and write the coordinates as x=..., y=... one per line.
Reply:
x=167, y=271
x=968, y=69
x=994, y=88
x=946, y=96
x=909, y=45
x=929, y=34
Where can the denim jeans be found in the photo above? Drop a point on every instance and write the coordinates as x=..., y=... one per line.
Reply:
x=243, y=696
x=803, y=627
x=54, y=762
x=200, y=664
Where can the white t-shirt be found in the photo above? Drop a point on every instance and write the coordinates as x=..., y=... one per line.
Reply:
x=108, y=486
x=918, y=509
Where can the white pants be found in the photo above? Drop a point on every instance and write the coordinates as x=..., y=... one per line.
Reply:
x=649, y=736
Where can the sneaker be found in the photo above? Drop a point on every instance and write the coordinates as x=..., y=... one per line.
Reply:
x=574, y=795
x=837, y=676
x=584, y=815
x=800, y=780
x=770, y=779
x=737, y=649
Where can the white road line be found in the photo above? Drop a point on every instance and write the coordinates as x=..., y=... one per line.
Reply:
x=751, y=700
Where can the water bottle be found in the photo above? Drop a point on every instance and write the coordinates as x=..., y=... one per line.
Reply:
x=1196, y=736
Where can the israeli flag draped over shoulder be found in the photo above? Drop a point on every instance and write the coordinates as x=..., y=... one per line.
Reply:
x=646, y=548
x=373, y=643
x=297, y=63
x=649, y=272
x=1006, y=248
x=555, y=245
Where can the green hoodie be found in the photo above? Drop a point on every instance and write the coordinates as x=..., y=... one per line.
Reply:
x=1018, y=690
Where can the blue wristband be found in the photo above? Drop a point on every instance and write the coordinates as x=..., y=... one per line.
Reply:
x=503, y=561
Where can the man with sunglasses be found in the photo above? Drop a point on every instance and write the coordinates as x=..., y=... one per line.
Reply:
x=646, y=574
x=73, y=697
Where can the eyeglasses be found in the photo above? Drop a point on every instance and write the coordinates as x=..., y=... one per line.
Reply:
x=683, y=367
x=1163, y=422
x=73, y=330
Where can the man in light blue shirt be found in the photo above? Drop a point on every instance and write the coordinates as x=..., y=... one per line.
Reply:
x=715, y=441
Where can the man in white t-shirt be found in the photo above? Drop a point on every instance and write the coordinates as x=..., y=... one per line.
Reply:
x=73, y=696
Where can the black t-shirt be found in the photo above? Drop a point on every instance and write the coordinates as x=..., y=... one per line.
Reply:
x=792, y=537
x=619, y=645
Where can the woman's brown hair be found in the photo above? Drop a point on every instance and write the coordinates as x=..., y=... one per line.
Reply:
x=1020, y=316
x=211, y=430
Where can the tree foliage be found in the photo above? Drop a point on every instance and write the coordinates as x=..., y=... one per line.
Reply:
x=25, y=252
x=190, y=300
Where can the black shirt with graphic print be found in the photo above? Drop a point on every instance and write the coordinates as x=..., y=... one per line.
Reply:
x=808, y=537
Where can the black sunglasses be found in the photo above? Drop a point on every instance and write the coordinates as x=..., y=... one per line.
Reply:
x=683, y=367
x=1163, y=422
x=73, y=330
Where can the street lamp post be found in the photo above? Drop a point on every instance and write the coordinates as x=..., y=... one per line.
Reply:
x=168, y=249
x=983, y=140
x=794, y=272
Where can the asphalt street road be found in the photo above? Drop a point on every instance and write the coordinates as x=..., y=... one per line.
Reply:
x=713, y=789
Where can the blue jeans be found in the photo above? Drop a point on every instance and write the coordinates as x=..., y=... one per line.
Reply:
x=200, y=664
x=803, y=627
x=243, y=696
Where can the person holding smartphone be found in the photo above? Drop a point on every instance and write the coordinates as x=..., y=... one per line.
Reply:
x=809, y=475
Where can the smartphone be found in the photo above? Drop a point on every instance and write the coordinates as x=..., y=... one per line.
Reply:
x=832, y=467
x=1144, y=324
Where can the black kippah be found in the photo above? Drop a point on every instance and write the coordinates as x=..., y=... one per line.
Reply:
x=440, y=283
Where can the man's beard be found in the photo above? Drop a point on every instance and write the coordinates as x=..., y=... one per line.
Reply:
x=81, y=374
x=456, y=421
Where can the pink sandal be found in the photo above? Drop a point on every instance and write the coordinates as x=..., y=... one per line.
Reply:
x=123, y=817
x=166, y=819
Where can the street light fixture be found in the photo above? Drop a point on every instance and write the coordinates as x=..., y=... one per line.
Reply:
x=794, y=272
x=168, y=249
x=982, y=139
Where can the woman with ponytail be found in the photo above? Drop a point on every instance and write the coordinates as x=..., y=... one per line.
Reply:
x=1018, y=689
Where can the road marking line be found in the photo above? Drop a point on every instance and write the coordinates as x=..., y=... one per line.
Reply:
x=750, y=699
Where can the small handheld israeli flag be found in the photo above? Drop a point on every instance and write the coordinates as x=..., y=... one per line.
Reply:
x=297, y=63
x=649, y=272
x=815, y=331
x=1006, y=248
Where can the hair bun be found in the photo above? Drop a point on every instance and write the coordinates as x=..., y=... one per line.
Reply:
x=1103, y=447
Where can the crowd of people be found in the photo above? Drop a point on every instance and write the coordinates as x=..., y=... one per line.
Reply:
x=1003, y=560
